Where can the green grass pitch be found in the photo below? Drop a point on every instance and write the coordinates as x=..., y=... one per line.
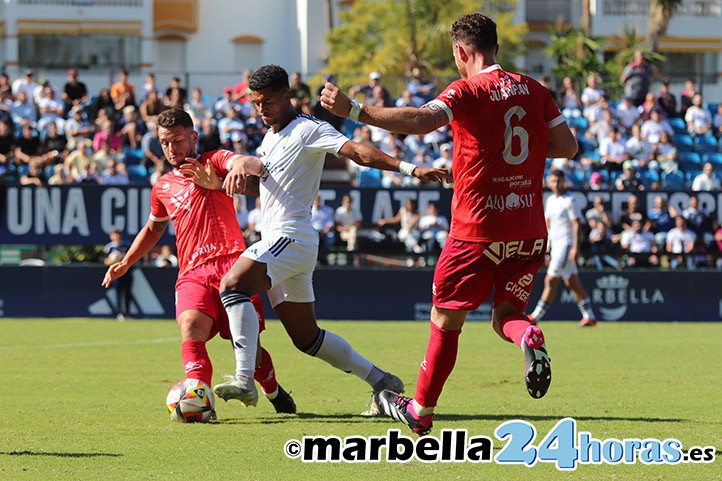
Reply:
x=85, y=400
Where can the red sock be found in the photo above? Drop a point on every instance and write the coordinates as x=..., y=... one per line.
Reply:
x=196, y=362
x=438, y=363
x=514, y=325
x=265, y=373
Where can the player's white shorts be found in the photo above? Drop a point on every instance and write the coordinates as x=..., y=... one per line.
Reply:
x=289, y=264
x=559, y=263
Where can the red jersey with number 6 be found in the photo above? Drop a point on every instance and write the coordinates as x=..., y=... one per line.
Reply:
x=204, y=220
x=500, y=122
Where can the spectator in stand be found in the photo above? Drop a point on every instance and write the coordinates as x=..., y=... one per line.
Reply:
x=27, y=85
x=681, y=242
x=422, y=89
x=569, y=101
x=628, y=180
x=322, y=220
x=434, y=229
x=389, y=179
x=224, y=103
x=78, y=161
x=166, y=257
x=367, y=91
x=240, y=90
x=696, y=217
x=612, y=150
x=28, y=145
x=198, y=107
x=627, y=115
x=661, y=218
x=23, y=111
x=7, y=148
x=114, y=174
x=717, y=122
x=50, y=110
x=5, y=81
x=232, y=131
x=35, y=175
x=601, y=244
x=665, y=153
x=597, y=213
x=102, y=103
x=636, y=77
x=108, y=134
x=408, y=219
x=698, y=118
x=77, y=127
x=253, y=233
x=639, y=246
x=300, y=94
x=406, y=100
x=150, y=145
x=596, y=182
x=718, y=241
x=707, y=180
x=600, y=129
x=151, y=107
x=649, y=104
x=690, y=88
x=633, y=213
x=591, y=98
x=177, y=92
x=666, y=99
x=640, y=151
x=151, y=85
x=131, y=127
x=209, y=139
x=58, y=177
x=75, y=92
x=54, y=146
x=653, y=128
x=347, y=219
x=122, y=92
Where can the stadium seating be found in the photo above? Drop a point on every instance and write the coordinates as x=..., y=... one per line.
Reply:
x=137, y=174
x=579, y=122
x=576, y=179
x=649, y=177
x=368, y=178
x=705, y=143
x=713, y=157
x=677, y=124
x=132, y=156
x=690, y=175
x=673, y=181
x=684, y=143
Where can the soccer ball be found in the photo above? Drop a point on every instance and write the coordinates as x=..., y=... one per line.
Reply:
x=190, y=401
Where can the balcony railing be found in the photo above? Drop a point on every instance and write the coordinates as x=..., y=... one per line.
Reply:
x=82, y=3
x=548, y=11
x=688, y=8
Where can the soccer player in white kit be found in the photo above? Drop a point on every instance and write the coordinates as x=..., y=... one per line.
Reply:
x=289, y=163
x=563, y=225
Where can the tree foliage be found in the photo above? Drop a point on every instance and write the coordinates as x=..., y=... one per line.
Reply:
x=393, y=36
x=577, y=54
x=629, y=41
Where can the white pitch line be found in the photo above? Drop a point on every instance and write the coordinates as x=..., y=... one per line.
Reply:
x=89, y=344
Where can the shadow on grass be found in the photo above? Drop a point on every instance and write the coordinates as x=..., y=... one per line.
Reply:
x=358, y=418
x=59, y=455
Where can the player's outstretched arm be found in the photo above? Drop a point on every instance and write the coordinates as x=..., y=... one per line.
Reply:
x=243, y=167
x=405, y=120
x=142, y=244
x=369, y=156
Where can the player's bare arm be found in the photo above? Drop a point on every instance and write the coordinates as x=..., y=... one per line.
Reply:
x=405, y=120
x=142, y=244
x=370, y=157
x=562, y=143
x=574, y=251
x=242, y=168
x=202, y=175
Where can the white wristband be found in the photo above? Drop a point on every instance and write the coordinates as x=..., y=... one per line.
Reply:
x=406, y=168
x=355, y=110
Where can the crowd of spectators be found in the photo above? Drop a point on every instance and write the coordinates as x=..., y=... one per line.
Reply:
x=645, y=141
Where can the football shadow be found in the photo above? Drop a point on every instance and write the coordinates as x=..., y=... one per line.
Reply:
x=307, y=417
x=59, y=455
x=528, y=417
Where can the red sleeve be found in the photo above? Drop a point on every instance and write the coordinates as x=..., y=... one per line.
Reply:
x=219, y=159
x=158, y=211
x=455, y=98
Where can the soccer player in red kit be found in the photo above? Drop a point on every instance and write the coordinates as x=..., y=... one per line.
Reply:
x=504, y=126
x=209, y=242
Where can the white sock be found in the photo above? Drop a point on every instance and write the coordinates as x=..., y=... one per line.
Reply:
x=336, y=351
x=243, y=324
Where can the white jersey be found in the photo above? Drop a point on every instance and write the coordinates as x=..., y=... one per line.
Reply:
x=293, y=160
x=560, y=211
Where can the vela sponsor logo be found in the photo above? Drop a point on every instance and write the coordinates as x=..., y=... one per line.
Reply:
x=498, y=251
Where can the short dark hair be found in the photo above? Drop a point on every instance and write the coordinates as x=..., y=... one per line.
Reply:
x=557, y=173
x=269, y=76
x=172, y=117
x=476, y=30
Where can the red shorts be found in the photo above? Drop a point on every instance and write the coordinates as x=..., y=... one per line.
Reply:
x=468, y=271
x=198, y=290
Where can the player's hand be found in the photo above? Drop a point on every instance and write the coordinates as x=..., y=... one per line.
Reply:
x=203, y=176
x=334, y=100
x=426, y=174
x=573, y=254
x=114, y=271
x=235, y=181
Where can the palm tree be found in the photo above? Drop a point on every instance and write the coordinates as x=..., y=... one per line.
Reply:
x=660, y=13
